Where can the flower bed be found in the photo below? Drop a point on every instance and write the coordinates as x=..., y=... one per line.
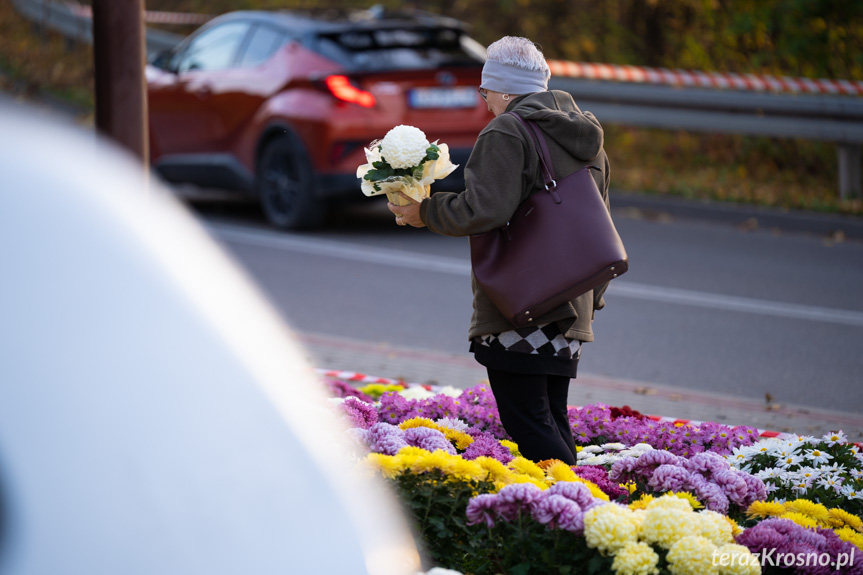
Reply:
x=646, y=497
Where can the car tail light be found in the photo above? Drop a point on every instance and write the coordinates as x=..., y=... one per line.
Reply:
x=341, y=88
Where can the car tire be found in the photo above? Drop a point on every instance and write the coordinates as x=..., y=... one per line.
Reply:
x=285, y=183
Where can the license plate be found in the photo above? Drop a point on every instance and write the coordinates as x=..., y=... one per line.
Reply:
x=458, y=97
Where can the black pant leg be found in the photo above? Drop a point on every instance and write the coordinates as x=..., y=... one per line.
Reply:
x=558, y=393
x=523, y=403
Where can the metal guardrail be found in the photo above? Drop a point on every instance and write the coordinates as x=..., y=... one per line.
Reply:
x=63, y=19
x=836, y=119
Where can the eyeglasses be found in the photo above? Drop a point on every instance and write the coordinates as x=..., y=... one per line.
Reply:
x=482, y=94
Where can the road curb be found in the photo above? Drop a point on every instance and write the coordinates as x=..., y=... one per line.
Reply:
x=426, y=367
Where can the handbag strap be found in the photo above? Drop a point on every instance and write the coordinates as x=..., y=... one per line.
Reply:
x=542, y=148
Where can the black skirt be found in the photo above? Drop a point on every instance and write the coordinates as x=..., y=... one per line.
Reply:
x=540, y=349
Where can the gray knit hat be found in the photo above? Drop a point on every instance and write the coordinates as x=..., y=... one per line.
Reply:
x=509, y=79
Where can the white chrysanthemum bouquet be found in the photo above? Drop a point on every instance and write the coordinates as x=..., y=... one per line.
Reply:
x=404, y=161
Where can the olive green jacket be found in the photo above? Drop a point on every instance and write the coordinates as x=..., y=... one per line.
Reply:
x=502, y=171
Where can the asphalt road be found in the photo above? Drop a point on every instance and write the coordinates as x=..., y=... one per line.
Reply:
x=705, y=306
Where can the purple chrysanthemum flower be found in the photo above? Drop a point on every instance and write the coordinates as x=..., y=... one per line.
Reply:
x=733, y=485
x=598, y=475
x=709, y=493
x=484, y=445
x=574, y=491
x=558, y=511
x=483, y=509
x=359, y=413
x=706, y=463
x=428, y=439
x=386, y=438
x=669, y=478
x=517, y=497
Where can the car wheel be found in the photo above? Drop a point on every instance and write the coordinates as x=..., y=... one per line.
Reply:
x=286, y=185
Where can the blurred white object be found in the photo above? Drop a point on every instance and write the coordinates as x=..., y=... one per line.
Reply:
x=155, y=414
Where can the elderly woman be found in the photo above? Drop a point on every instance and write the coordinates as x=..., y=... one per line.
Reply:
x=529, y=369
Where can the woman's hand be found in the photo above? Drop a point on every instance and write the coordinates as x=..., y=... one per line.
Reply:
x=408, y=215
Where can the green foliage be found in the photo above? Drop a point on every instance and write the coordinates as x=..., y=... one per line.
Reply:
x=438, y=507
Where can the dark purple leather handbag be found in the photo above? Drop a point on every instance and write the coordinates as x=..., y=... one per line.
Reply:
x=559, y=244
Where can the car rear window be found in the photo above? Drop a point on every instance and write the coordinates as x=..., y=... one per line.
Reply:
x=398, y=48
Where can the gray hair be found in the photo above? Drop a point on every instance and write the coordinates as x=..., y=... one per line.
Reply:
x=518, y=52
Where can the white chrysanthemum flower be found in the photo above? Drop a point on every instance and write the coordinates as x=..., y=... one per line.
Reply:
x=404, y=147
x=452, y=423
x=450, y=391
x=591, y=449
x=416, y=392
x=613, y=446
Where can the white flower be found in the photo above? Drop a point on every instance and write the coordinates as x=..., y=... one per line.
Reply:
x=613, y=446
x=601, y=459
x=818, y=456
x=404, y=147
x=788, y=460
x=416, y=392
x=591, y=449
x=450, y=391
x=850, y=493
x=642, y=447
x=834, y=438
x=857, y=473
x=830, y=483
x=452, y=423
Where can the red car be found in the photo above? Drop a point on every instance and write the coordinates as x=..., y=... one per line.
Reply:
x=281, y=104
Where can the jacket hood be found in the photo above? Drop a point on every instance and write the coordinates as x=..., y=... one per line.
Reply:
x=560, y=119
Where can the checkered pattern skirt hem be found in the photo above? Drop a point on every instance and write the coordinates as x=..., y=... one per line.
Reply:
x=543, y=340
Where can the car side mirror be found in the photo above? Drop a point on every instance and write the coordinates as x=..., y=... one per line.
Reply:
x=162, y=60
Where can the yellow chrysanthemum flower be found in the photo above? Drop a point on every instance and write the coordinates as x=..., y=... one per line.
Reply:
x=417, y=422
x=692, y=555
x=527, y=467
x=467, y=470
x=631, y=486
x=800, y=519
x=437, y=460
x=844, y=518
x=736, y=559
x=688, y=497
x=669, y=501
x=378, y=389
x=665, y=525
x=460, y=439
x=522, y=478
x=512, y=446
x=609, y=528
x=735, y=528
x=637, y=517
x=636, y=559
x=388, y=465
x=814, y=510
x=714, y=527
x=851, y=536
x=765, y=509
x=641, y=503
x=559, y=471
x=494, y=469
x=407, y=456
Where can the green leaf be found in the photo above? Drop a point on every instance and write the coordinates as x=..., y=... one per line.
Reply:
x=520, y=569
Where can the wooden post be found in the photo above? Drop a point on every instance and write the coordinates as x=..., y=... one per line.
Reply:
x=119, y=60
x=849, y=171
